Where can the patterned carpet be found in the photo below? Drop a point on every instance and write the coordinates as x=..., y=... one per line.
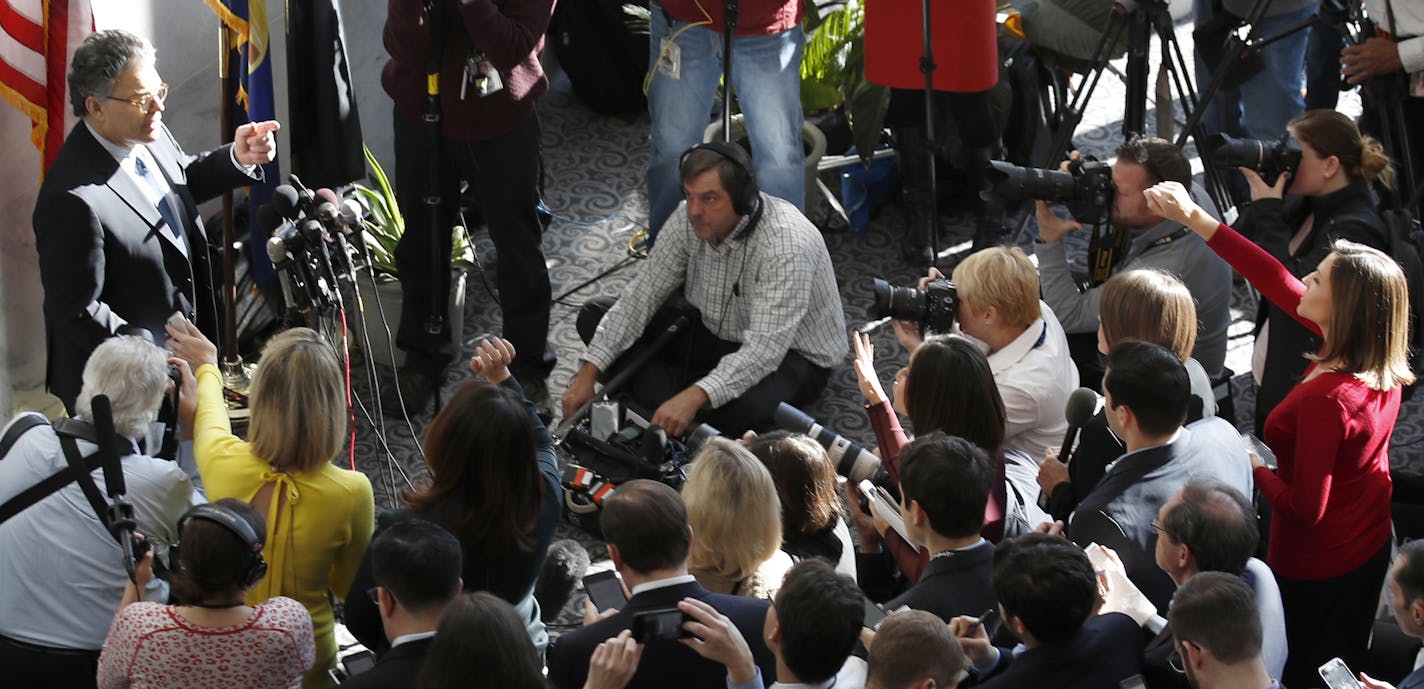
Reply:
x=595, y=189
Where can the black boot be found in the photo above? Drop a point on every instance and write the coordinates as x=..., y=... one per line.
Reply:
x=988, y=215
x=916, y=161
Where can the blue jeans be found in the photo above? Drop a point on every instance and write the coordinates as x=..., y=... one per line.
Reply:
x=1260, y=108
x=766, y=75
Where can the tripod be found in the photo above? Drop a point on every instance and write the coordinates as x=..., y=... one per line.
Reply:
x=1140, y=21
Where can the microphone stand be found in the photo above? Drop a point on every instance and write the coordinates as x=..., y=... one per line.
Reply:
x=235, y=375
x=730, y=10
x=927, y=67
x=434, y=10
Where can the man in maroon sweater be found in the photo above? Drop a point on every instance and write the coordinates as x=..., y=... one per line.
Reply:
x=490, y=77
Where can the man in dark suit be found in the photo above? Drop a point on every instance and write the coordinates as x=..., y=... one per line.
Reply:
x=116, y=221
x=1047, y=591
x=1210, y=527
x=811, y=629
x=914, y=650
x=1406, y=601
x=944, y=484
x=416, y=567
x=1147, y=393
x=645, y=525
x=1217, y=633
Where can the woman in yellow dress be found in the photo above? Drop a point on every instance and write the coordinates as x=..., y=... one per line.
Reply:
x=319, y=516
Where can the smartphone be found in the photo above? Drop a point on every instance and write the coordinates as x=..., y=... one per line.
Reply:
x=605, y=590
x=663, y=623
x=873, y=615
x=1337, y=675
x=1256, y=447
x=990, y=622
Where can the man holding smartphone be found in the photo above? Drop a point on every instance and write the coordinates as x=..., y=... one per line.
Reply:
x=1406, y=601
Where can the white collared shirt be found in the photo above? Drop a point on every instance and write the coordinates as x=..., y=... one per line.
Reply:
x=1035, y=376
x=662, y=584
x=408, y=638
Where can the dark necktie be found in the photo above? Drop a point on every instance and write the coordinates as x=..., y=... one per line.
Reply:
x=165, y=210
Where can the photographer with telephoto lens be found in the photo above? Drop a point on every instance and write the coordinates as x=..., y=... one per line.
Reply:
x=994, y=299
x=1329, y=185
x=1143, y=240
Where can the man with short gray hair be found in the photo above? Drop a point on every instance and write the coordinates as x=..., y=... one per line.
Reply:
x=62, y=573
x=116, y=221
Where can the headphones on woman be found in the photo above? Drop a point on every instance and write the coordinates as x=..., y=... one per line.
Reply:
x=253, y=566
x=744, y=192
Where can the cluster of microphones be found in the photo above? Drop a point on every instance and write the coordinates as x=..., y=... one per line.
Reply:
x=314, y=242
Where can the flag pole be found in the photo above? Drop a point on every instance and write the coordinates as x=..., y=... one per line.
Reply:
x=233, y=374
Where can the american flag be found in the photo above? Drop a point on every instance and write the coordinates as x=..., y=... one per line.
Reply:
x=37, y=39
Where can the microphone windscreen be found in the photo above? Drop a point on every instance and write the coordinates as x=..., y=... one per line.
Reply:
x=284, y=199
x=352, y=211
x=269, y=219
x=276, y=250
x=1082, y=404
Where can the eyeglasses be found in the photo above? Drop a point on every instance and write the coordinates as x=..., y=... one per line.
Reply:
x=145, y=102
x=1175, y=659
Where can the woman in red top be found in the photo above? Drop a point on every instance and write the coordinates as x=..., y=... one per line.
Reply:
x=1330, y=530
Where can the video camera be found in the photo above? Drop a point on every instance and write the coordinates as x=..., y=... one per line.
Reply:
x=934, y=308
x=1268, y=158
x=1086, y=189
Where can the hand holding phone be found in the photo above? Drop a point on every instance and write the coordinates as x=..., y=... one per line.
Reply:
x=605, y=590
x=1337, y=675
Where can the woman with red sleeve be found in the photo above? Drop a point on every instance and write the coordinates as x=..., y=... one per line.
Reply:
x=1330, y=530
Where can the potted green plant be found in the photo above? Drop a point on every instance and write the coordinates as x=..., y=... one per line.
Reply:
x=380, y=233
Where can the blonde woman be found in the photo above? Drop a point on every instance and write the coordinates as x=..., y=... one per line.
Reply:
x=736, y=522
x=319, y=517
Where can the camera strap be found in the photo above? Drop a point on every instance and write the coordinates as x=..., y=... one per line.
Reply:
x=79, y=468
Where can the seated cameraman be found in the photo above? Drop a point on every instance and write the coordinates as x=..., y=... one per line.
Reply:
x=765, y=316
x=1154, y=243
x=999, y=310
x=62, y=574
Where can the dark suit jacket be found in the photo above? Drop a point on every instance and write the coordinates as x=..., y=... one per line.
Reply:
x=953, y=585
x=1414, y=680
x=1156, y=664
x=1107, y=650
x=105, y=262
x=1119, y=511
x=664, y=663
x=395, y=670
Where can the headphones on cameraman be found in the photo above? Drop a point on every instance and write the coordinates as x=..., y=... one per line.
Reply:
x=253, y=566
x=746, y=195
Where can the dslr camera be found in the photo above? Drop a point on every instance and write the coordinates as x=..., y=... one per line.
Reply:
x=1268, y=158
x=934, y=308
x=1087, y=188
